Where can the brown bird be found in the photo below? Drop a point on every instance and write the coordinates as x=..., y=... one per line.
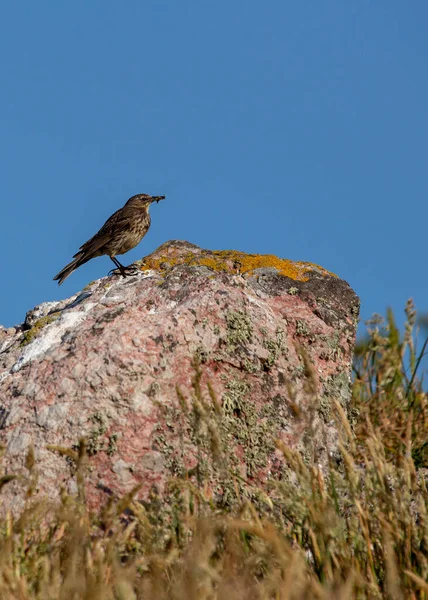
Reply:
x=119, y=234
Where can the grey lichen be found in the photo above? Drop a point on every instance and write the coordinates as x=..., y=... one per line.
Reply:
x=112, y=444
x=239, y=329
x=324, y=408
x=335, y=387
x=243, y=423
x=233, y=397
x=250, y=366
x=96, y=442
x=323, y=301
x=333, y=351
x=201, y=355
x=302, y=328
x=275, y=346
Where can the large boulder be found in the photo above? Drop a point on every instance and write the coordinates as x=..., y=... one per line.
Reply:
x=189, y=370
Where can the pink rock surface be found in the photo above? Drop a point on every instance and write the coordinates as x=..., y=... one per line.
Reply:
x=106, y=365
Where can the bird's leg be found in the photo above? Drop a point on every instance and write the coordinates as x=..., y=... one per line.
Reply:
x=123, y=270
x=119, y=265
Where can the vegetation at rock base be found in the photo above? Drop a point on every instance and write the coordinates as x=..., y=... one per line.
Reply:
x=358, y=530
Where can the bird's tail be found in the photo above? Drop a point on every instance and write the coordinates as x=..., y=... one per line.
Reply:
x=68, y=269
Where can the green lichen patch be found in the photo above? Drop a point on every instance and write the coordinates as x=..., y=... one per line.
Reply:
x=32, y=333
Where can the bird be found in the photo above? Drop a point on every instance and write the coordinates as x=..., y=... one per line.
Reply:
x=119, y=234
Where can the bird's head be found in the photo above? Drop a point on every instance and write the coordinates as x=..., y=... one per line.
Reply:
x=144, y=200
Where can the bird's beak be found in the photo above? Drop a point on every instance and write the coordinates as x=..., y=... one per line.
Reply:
x=157, y=198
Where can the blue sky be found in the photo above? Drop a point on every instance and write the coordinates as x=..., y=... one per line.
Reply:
x=293, y=128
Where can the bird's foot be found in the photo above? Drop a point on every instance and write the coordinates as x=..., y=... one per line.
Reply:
x=125, y=271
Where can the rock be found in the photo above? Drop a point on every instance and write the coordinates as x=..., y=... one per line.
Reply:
x=139, y=367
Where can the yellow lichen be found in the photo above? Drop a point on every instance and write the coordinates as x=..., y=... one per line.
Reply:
x=233, y=262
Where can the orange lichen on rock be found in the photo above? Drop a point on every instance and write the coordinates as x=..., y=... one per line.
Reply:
x=228, y=261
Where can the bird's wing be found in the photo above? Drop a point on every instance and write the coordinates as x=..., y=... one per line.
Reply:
x=92, y=245
x=116, y=222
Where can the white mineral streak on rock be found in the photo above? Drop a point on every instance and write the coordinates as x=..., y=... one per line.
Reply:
x=4, y=345
x=50, y=335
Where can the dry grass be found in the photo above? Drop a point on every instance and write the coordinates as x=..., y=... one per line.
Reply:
x=359, y=530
